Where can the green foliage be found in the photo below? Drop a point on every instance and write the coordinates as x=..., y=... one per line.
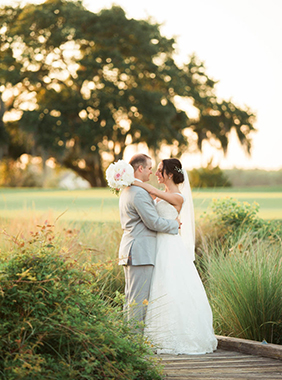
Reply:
x=54, y=323
x=230, y=218
x=99, y=82
x=208, y=177
x=244, y=284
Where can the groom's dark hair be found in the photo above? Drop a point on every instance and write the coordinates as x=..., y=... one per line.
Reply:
x=139, y=159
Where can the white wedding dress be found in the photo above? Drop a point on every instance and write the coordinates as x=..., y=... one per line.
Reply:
x=179, y=317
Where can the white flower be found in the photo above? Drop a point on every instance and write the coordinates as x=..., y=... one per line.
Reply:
x=119, y=175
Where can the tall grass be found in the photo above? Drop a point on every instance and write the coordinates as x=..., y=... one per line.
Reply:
x=99, y=239
x=242, y=269
x=244, y=285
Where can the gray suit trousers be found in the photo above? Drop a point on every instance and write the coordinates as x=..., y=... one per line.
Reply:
x=137, y=289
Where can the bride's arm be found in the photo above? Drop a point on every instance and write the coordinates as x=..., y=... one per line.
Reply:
x=174, y=199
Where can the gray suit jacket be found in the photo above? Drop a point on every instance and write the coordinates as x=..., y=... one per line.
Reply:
x=140, y=222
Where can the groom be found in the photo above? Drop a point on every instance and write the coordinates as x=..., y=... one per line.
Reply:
x=140, y=223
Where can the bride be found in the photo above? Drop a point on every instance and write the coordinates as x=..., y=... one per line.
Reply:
x=179, y=317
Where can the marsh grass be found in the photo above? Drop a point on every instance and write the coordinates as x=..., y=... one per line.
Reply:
x=240, y=261
x=244, y=285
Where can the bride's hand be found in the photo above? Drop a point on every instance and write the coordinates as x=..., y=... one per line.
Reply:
x=179, y=223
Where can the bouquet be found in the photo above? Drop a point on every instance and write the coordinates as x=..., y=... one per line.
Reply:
x=119, y=175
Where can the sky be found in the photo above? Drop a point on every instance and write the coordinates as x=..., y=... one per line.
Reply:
x=240, y=44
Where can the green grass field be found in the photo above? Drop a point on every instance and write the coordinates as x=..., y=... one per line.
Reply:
x=100, y=205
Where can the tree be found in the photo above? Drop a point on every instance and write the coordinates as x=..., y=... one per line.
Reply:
x=3, y=132
x=208, y=176
x=87, y=85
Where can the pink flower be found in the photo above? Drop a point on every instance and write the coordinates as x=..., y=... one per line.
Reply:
x=117, y=176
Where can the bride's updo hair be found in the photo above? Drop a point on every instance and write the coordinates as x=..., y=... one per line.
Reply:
x=173, y=166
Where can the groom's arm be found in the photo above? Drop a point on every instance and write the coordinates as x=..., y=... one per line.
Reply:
x=148, y=213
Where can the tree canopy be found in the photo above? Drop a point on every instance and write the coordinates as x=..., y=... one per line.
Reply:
x=84, y=86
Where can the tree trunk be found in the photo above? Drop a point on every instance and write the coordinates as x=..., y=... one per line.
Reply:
x=2, y=111
x=44, y=157
x=93, y=172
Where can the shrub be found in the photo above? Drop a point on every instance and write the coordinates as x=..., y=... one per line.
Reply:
x=229, y=219
x=54, y=324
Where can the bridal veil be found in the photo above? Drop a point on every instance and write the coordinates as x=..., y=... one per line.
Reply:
x=187, y=217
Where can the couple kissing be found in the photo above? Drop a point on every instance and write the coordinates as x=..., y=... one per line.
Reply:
x=163, y=290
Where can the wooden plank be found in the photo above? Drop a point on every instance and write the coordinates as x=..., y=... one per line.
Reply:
x=250, y=347
x=226, y=375
x=218, y=354
x=218, y=377
x=227, y=365
x=252, y=360
x=240, y=368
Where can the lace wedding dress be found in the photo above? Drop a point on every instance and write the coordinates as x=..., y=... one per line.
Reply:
x=179, y=317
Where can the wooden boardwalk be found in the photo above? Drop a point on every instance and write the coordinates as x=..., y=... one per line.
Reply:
x=222, y=364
